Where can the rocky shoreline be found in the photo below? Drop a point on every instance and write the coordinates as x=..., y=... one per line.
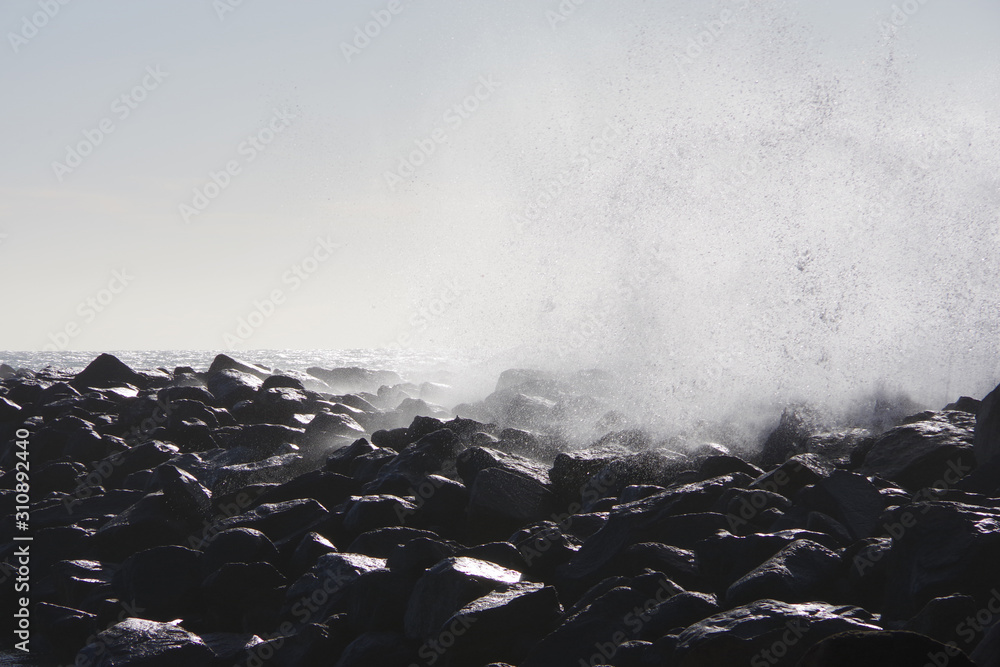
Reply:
x=339, y=517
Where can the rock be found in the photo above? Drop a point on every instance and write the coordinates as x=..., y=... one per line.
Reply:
x=676, y=613
x=794, y=474
x=987, y=430
x=789, y=437
x=316, y=593
x=377, y=648
x=223, y=362
x=418, y=555
x=941, y=617
x=283, y=523
x=434, y=453
x=329, y=489
x=880, y=648
x=312, y=547
x=244, y=597
x=328, y=429
x=503, y=554
x=965, y=404
x=940, y=549
x=838, y=445
x=503, y=625
x=381, y=542
x=717, y=465
x=801, y=571
x=544, y=547
x=237, y=545
x=594, y=633
x=354, y=379
x=506, y=500
x=182, y=491
x=987, y=652
x=765, y=632
x=396, y=439
x=64, y=628
x=920, y=454
x=474, y=460
x=365, y=513
x=229, y=386
x=850, y=499
x=448, y=586
x=571, y=471
x=151, y=522
x=106, y=371
x=162, y=583
x=139, y=642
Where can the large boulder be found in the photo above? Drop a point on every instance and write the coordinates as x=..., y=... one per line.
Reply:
x=137, y=642
x=106, y=371
x=880, y=648
x=765, y=632
x=801, y=571
x=163, y=582
x=938, y=449
x=987, y=431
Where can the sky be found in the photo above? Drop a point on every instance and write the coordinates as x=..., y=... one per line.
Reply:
x=756, y=187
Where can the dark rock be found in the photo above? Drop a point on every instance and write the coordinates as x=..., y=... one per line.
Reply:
x=329, y=429
x=182, y=491
x=714, y=466
x=794, y=474
x=151, y=522
x=765, y=632
x=230, y=386
x=922, y=453
x=880, y=648
x=146, y=643
x=377, y=649
x=237, y=545
x=594, y=633
x=64, y=628
x=285, y=522
x=162, y=583
x=434, y=453
x=75, y=583
x=965, y=404
x=801, y=571
x=571, y=471
x=365, y=513
x=316, y=593
x=341, y=461
x=354, y=379
x=327, y=488
x=503, y=554
x=260, y=440
x=396, y=439
x=850, y=499
x=106, y=371
x=448, y=586
x=474, y=460
x=940, y=549
x=312, y=547
x=381, y=542
x=376, y=601
x=987, y=429
x=503, y=624
x=676, y=613
x=244, y=597
x=418, y=555
x=506, y=500
x=839, y=445
x=544, y=547
x=987, y=652
x=223, y=362
x=941, y=617
x=789, y=437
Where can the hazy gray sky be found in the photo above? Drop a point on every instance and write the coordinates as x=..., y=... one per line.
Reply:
x=803, y=181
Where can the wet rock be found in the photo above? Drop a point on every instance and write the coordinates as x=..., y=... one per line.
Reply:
x=503, y=554
x=506, y=500
x=162, y=583
x=940, y=549
x=244, y=597
x=850, y=499
x=144, y=643
x=987, y=430
x=571, y=471
x=64, y=628
x=503, y=625
x=766, y=631
x=312, y=547
x=150, y=522
x=676, y=613
x=434, y=453
x=230, y=386
x=377, y=648
x=283, y=523
x=365, y=513
x=474, y=460
x=789, y=437
x=223, y=362
x=987, y=652
x=237, y=545
x=717, y=465
x=314, y=596
x=941, y=618
x=383, y=541
x=327, y=488
x=879, y=648
x=445, y=588
x=922, y=453
x=106, y=371
x=794, y=474
x=418, y=555
x=354, y=379
x=801, y=571
x=329, y=429
x=544, y=547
